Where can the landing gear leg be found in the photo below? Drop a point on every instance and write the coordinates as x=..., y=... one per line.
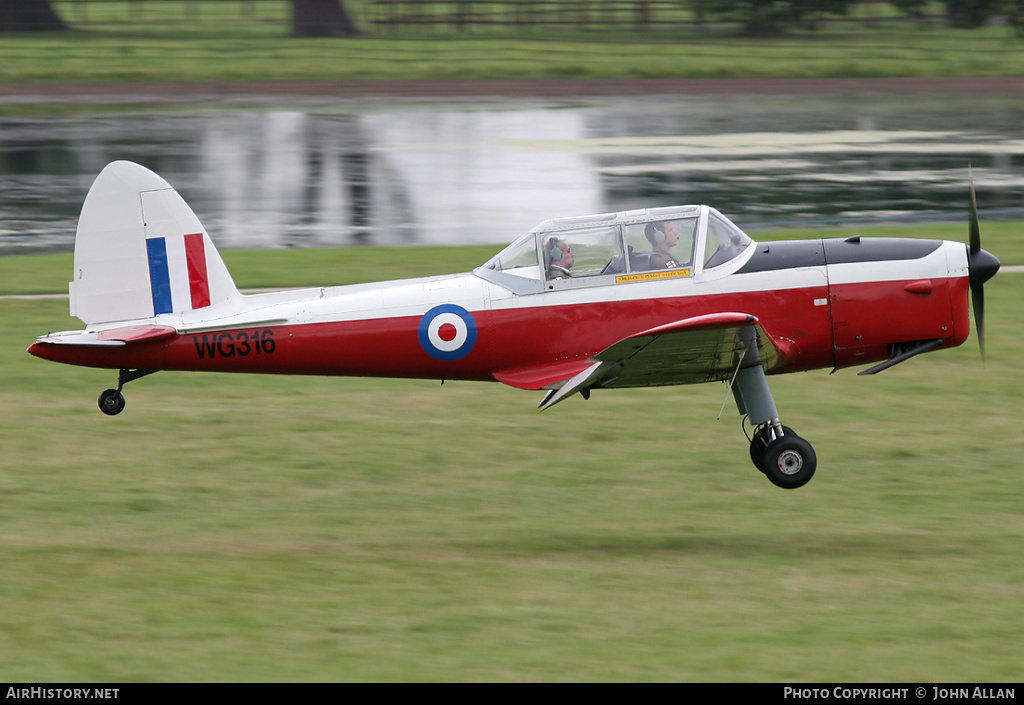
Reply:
x=786, y=459
x=112, y=400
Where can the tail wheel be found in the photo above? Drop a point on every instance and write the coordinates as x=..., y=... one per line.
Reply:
x=111, y=402
x=789, y=462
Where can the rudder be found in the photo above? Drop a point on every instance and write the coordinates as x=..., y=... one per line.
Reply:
x=140, y=251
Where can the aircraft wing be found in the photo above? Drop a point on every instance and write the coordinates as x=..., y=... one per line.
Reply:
x=688, y=351
x=542, y=376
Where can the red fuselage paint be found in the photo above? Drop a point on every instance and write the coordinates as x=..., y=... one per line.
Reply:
x=815, y=327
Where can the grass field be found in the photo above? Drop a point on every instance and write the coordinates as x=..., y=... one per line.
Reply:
x=246, y=41
x=248, y=528
x=91, y=59
x=320, y=529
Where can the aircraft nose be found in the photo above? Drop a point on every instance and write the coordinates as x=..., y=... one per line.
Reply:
x=983, y=266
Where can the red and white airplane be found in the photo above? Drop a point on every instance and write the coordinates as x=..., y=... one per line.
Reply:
x=639, y=298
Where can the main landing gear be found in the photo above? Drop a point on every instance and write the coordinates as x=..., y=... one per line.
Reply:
x=112, y=400
x=784, y=457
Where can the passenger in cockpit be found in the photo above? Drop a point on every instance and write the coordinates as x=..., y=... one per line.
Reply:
x=663, y=238
x=558, y=258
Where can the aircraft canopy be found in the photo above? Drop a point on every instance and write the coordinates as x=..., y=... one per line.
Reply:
x=615, y=248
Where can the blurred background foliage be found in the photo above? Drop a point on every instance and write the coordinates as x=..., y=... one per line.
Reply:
x=308, y=18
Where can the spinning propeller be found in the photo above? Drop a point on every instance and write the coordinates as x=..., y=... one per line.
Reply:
x=982, y=266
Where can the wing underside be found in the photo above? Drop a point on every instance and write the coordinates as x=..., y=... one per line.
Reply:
x=688, y=351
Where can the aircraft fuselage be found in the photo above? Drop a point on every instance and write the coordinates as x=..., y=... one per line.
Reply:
x=830, y=303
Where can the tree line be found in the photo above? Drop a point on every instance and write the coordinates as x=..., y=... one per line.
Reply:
x=332, y=18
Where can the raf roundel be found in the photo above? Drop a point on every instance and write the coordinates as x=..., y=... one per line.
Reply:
x=447, y=332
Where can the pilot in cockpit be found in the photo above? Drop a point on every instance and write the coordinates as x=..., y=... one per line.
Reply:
x=663, y=237
x=559, y=258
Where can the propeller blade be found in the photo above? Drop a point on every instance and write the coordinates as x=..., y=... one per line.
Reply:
x=978, y=301
x=975, y=238
x=982, y=266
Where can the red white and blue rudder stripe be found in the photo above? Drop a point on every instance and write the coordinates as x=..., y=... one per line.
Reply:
x=178, y=280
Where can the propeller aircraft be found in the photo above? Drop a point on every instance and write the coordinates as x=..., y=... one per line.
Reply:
x=650, y=297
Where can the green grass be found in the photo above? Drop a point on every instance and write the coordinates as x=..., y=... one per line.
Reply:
x=249, y=528
x=240, y=528
x=84, y=58
x=197, y=41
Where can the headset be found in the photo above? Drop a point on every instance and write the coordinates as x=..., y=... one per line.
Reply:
x=655, y=233
x=555, y=252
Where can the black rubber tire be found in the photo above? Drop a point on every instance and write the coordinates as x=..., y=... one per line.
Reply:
x=111, y=402
x=789, y=462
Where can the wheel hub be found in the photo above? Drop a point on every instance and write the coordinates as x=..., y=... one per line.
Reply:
x=790, y=462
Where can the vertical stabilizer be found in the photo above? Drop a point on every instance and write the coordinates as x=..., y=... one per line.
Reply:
x=140, y=251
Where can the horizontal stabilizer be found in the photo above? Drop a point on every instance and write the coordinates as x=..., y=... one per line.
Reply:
x=138, y=334
x=113, y=336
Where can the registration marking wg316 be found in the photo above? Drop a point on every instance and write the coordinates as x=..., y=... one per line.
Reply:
x=241, y=343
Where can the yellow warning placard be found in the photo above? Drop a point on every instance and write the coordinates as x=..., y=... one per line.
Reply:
x=650, y=276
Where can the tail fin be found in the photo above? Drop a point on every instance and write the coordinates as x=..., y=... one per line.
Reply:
x=140, y=251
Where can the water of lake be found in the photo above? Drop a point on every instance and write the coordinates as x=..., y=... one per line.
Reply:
x=404, y=172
